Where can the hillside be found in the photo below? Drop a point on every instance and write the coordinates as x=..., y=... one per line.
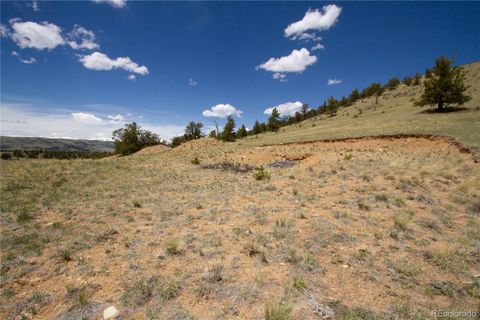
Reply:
x=330, y=228
x=34, y=143
x=394, y=114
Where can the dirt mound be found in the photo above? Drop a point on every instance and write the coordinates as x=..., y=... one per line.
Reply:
x=153, y=149
x=199, y=144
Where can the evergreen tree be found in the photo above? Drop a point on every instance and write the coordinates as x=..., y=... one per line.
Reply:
x=263, y=127
x=228, y=133
x=213, y=134
x=242, y=132
x=304, y=109
x=408, y=80
x=256, y=128
x=354, y=96
x=392, y=84
x=416, y=79
x=274, y=121
x=444, y=86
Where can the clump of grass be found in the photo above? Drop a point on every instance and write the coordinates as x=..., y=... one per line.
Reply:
x=362, y=206
x=402, y=221
x=172, y=247
x=450, y=259
x=299, y=283
x=213, y=273
x=195, y=161
x=65, y=254
x=399, y=202
x=293, y=257
x=252, y=249
x=278, y=311
x=404, y=266
x=347, y=157
x=24, y=217
x=262, y=174
x=381, y=197
x=167, y=289
x=136, y=204
x=139, y=292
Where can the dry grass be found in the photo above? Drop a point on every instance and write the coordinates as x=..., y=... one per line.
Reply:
x=155, y=234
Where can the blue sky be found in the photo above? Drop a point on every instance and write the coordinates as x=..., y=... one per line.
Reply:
x=81, y=69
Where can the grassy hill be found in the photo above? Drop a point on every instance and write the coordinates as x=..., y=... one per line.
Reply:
x=394, y=114
x=34, y=143
x=360, y=229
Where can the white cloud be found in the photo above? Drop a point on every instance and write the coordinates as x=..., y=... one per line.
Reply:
x=81, y=38
x=100, y=61
x=279, y=76
x=308, y=37
x=192, y=82
x=86, y=118
x=132, y=77
x=118, y=117
x=334, y=81
x=35, y=6
x=19, y=120
x=39, y=36
x=14, y=54
x=222, y=111
x=296, y=61
x=286, y=109
x=114, y=3
x=315, y=20
x=4, y=31
x=28, y=61
x=318, y=46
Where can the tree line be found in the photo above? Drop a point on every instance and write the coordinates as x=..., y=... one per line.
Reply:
x=53, y=154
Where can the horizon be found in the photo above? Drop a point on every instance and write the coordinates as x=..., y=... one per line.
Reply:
x=164, y=64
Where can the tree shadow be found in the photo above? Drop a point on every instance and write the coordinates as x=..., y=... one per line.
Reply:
x=444, y=110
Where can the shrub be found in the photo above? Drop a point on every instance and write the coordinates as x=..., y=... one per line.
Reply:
x=262, y=174
x=402, y=220
x=172, y=247
x=195, y=161
x=6, y=156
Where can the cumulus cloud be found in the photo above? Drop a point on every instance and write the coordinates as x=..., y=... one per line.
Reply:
x=334, y=81
x=18, y=119
x=286, y=109
x=118, y=117
x=132, y=77
x=39, y=36
x=14, y=54
x=192, y=82
x=296, y=61
x=222, y=111
x=81, y=38
x=47, y=35
x=86, y=118
x=314, y=20
x=28, y=61
x=318, y=46
x=100, y=61
x=114, y=3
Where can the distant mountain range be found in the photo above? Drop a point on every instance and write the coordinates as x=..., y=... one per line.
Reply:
x=34, y=143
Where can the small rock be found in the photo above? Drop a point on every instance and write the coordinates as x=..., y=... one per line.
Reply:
x=345, y=266
x=110, y=313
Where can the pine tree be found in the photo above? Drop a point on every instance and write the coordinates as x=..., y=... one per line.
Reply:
x=416, y=79
x=444, y=86
x=228, y=133
x=274, y=121
x=256, y=128
x=193, y=130
x=242, y=132
x=354, y=96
